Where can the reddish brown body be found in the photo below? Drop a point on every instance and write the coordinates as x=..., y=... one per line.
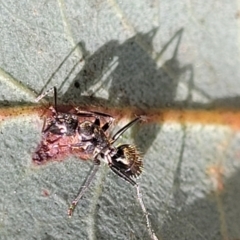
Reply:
x=56, y=146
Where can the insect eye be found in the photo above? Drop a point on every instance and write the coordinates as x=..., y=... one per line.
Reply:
x=128, y=160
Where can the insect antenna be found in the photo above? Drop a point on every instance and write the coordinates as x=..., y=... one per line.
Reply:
x=123, y=129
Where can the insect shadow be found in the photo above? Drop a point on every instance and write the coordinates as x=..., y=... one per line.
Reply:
x=132, y=78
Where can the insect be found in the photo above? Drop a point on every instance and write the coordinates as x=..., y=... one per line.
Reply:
x=86, y=135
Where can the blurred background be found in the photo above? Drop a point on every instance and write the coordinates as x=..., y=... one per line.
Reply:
x=144, y=54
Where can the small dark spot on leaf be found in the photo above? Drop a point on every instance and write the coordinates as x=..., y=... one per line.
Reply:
x=76, y=85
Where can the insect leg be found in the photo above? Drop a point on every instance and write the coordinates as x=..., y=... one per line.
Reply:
x=105, y=116
x=41, y=96
x=55, y=98
x=122, y=175
x=149, y=225
x=108, y=118
x=98, y=115
x=84, y=188
x=139, y=197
